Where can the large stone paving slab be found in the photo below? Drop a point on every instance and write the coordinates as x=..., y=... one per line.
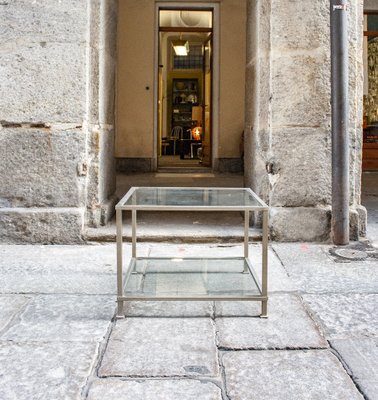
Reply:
x=361, y=357
x=63, y=318
x=345, y=315
x=86, y=269
x=287, y=326
x=312, y=270
x=45, y=370
x=161, y=347
x=154, y=390
x=294, y=375
x=10, y=307
x=169, y=308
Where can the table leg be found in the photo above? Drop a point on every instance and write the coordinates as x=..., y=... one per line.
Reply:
x=120, y=313
x=133, y=232
x=246, y=239
x=264, y=283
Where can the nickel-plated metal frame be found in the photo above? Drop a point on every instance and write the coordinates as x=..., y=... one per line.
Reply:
x=122, y=280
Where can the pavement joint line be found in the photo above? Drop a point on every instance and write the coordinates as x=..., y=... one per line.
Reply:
x=223, y=349
x=222, y=372
x=347, y=369
x=101, y=348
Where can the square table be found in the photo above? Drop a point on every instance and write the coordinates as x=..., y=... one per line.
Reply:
x=191, y=278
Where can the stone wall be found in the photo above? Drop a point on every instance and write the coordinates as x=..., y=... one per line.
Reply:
x=289, y=124
x=56, y=122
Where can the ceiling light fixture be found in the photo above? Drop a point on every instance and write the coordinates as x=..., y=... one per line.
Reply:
x=181, y=47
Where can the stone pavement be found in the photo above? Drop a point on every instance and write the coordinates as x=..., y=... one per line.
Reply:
x=59, y=338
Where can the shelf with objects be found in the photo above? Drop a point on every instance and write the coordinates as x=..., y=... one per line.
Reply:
x=191, y=278
x=186, y=117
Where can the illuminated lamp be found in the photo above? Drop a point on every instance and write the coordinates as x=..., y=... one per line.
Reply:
x=196, y=133
x=181, y=47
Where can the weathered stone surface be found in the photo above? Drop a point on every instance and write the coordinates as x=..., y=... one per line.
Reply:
x=63, y=318
x=312, y=269
x=301, y=172
x=57, y=259
x=345, y=315
x=361, y=357
x=45, y=370
x=300, y=223
x=296, y=375
x=301, y=89
x=41, y=225
x=161, y=347
x=10, y=307
x=154, y=390
x=58, y=269
x=287, y=325
x=40, y=167
x=169, y=309
x=43, y=82
x=310, y=33
x=48, y=21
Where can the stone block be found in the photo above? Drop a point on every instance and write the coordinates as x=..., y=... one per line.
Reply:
x=267, y=375
x=361, y=357
x=169, y=309
x=41, y=225
x=40, y=167
x=154, y=390
x=134, y=164
x=287, y=325
x=301, y=168
x=232, y=165
x=43, y=21
x=305, y=224
x=73, y=318
x=310, y=32
x=345, y=315
x=10, y=307
x=301, y=90
x=45, y=370
x=159, y=347
x=312, y=270
x=43, y=83
x=58, y=269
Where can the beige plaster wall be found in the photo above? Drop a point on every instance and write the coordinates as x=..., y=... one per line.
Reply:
x=232, y=76
x=135, y=72
x=135, y=104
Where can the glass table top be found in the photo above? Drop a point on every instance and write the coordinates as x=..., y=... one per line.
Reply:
x=190, y=198
x=187, y=278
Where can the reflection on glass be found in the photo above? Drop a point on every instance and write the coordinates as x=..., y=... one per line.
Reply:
x=164, y=277
x=192, y=197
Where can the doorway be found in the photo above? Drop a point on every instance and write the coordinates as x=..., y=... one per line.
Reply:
x=370, y=100
x=184, y=95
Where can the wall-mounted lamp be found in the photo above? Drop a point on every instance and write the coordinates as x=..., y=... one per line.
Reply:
x=181, y=47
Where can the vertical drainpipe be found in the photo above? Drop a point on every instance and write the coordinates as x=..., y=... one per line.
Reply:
x=340, y=132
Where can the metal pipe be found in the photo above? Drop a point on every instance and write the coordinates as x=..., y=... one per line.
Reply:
x=340, y=126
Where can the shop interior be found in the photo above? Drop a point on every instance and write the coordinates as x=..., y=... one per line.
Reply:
x=370, y=122
x=184, y=94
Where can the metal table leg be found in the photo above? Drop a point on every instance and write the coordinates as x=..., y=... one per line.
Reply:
x=120, y=313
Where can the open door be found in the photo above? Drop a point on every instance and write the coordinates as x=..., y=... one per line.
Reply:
x=207, y=101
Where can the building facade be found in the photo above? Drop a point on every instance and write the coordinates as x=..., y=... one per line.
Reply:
x=82, y=96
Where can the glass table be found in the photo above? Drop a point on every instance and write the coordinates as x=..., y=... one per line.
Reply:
x=191, y=278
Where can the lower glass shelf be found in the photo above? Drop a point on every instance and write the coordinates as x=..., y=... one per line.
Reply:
x=191, y=278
